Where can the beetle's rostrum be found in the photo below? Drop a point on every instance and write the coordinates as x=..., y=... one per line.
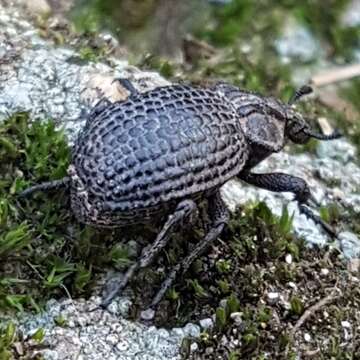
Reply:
x=161, y=152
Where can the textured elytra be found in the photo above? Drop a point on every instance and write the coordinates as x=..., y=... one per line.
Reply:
x=155, y=148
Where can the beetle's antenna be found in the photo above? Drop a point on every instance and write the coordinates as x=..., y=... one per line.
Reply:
x=334, y=135
x=299, y=93
x=49, y=185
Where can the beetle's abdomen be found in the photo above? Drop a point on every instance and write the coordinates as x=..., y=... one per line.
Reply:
x=169, y=143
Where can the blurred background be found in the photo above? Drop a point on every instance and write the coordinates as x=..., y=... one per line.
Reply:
x=267, y=46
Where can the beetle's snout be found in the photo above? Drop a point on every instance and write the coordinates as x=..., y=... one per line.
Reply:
x=300, y=132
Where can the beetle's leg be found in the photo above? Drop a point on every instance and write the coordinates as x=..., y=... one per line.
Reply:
x=182, y=213
x=98, y=108
x=219, y=215
x=280, y=182
x=49, y=185
x=127, y=84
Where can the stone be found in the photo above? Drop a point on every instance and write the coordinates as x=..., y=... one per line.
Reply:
x=288, y=259
x=354, y=265
x=297, y=42
x=192, y=330
x=147, y=314
x=206, y=324
x=273, y=297
x=349, y=244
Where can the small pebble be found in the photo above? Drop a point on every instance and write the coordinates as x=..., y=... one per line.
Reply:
x=346, y=324
x=272, y=297
x=236, y=317
x=324, y=272
x=292, y=285
x=192, y=330
x=206, y=323
x=147, y=314
x=288, y=258
x=354, y=265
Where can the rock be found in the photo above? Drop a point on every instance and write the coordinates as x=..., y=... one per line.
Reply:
x=324, y=272
x=194, y=346
x=337, y=150
x=192, y=330
x=273, y=297
x=346, y=324
x=236, y=317
x=38, y=7
x=351, y=15
x=46, y=80
x=354, y=265
x=288, y=258
x=147, y=314
x=349, y=244
x=297, y=43
x=206, y=324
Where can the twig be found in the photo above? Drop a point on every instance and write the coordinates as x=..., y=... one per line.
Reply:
x=336, y=75
x=311, y=310
x=311, y=353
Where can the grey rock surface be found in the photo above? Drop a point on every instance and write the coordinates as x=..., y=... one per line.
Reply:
x=48, y=81
x=297, y=43
x=90, y=334
x=37, y=76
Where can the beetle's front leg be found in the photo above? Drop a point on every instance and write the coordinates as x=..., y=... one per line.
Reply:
x=280, y=182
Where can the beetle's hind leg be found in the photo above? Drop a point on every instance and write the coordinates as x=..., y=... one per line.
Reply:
x=182, y=213
x=127, y=84
x=280, y=182
x=219, y=216
x=49, y=185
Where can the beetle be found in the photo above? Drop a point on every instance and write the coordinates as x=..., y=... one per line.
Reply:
x=158, y=154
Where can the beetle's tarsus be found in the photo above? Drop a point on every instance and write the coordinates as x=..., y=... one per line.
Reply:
x=49, y=185
x=317, y=220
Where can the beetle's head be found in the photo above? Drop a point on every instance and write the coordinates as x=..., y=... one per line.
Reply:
x=268, y=123
x=297, y=129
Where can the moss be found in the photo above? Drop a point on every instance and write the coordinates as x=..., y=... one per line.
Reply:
x=257, y=242
x=317, y=15
x=13, y=345
x=47, y=251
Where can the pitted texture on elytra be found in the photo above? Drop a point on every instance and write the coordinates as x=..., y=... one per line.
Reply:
x=169, y=143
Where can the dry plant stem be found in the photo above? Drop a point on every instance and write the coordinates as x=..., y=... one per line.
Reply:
x=336, y=75
x=313, y=309
x=312, y=353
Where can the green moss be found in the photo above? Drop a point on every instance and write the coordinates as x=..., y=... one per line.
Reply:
x=7, y=338
x=257, y=243
x=42, y=257
x=13, y=345
x=317, y=15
